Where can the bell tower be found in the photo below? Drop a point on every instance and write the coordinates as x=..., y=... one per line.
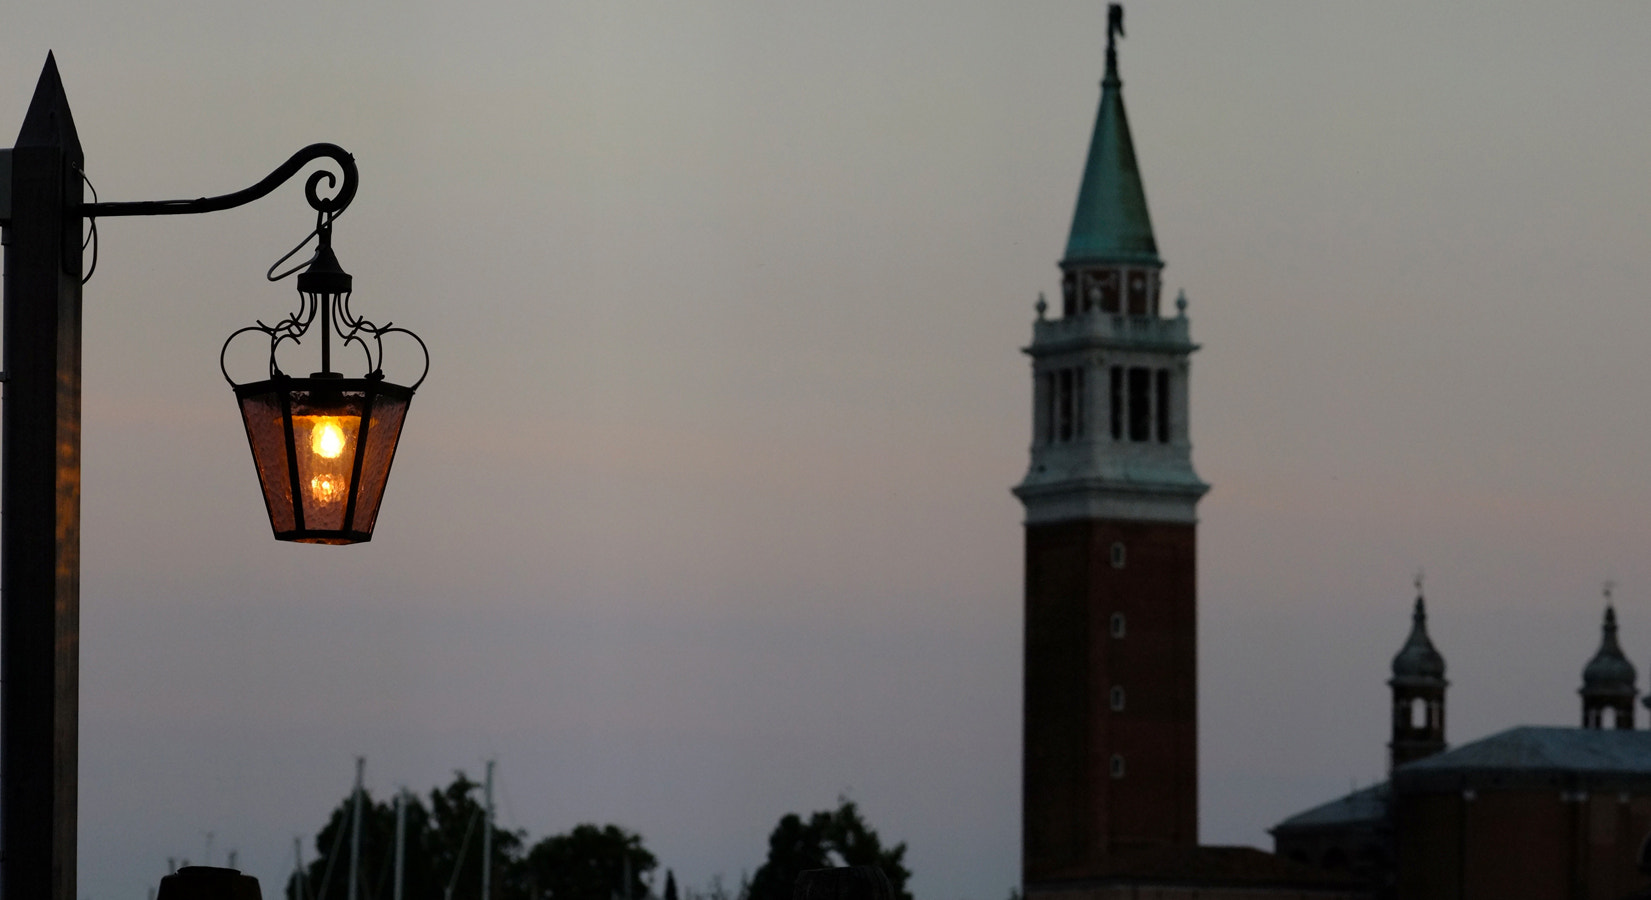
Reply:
x=1418, y=685
x=1609, y=682
x=1110, y=753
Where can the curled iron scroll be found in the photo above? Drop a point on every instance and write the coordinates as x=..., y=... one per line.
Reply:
x=328, y=206
x=350, y=328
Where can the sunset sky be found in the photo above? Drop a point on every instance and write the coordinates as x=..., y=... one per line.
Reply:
x=703, y=517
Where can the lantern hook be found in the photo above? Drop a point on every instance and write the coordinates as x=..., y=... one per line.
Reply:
x=323, y=220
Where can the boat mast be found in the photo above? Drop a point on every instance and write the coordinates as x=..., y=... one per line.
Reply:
x=355, y=826
x=301, y=889
x=487, y=838
x=401, y=838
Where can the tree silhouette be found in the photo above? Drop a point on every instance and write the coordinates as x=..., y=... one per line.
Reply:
x=443, y=845
x=589, y=863
x=827, y=838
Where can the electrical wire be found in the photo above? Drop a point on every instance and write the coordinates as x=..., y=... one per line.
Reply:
x=91, y=236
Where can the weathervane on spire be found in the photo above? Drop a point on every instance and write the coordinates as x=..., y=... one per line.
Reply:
x=1608, y=588
x=1114, y=28
x=1418, y=581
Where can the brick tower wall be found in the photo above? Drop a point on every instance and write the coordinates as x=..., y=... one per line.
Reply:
x=1077, y=814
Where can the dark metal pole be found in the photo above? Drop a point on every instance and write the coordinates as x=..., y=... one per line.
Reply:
x=40, y=487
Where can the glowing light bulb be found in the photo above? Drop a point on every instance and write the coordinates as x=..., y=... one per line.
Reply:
x=327, y=439
x=326, y=489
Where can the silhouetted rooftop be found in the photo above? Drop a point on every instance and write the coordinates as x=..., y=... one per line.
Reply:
x=1570, y=758
x=1363, y=805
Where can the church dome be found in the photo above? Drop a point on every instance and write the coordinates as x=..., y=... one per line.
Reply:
x=1609, y=673
x=1418, y=662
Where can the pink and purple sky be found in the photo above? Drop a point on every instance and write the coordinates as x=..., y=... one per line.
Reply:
x=703, y=514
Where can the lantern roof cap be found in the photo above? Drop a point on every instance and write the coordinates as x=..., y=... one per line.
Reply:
x=324, y=275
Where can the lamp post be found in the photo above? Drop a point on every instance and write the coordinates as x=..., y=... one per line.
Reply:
x=322, y=446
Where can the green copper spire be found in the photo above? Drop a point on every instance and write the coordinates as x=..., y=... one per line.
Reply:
x=1111, y=224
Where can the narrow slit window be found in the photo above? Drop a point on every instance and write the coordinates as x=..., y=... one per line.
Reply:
x=1116, y=699
x=1077, y=402
x=1116, y=404
x=1106, y=288
x=1118, y=625
x=1137, y=293
x=1140, y=403
x=1048, y=379
x=1117, y=765
x=1069, y=295
x=1118, y=555
x=1065, y=405
x=1160, y=399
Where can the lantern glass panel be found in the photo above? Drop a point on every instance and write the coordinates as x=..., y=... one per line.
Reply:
x=323, y=449
x=383, y=431
x=267, y=434
x=325, y=427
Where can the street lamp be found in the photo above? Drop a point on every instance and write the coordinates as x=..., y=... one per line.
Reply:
x=322, y=446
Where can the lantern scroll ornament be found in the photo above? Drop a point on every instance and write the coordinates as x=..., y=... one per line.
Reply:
x=323, y=445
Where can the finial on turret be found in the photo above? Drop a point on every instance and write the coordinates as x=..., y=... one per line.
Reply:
x=1181, y=304
x=1042, y=306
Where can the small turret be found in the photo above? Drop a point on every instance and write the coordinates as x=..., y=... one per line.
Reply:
x=1418, y=685
x=1608, y=681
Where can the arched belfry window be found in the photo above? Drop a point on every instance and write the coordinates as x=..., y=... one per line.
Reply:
x=1139, y=404
x=1063, y=401
x=1160, y=400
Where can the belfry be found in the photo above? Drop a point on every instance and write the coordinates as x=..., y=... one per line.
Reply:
x=1110, y=760
x=1418, y=685
x=1609, y=680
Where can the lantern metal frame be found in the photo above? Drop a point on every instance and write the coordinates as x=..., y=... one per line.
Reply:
x=309, y=501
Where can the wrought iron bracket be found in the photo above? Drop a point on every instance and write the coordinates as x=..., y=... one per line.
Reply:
x=329, y=206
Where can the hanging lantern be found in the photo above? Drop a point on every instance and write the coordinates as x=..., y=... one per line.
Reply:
x=323, y=445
